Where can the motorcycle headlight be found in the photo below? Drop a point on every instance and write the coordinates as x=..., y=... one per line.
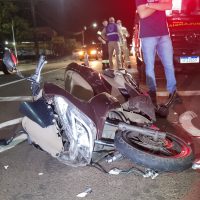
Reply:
x=79, y=132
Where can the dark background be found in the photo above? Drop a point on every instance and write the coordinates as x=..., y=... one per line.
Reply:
x=70, y=16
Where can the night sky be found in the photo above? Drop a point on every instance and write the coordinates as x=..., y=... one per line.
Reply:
x=69, y=16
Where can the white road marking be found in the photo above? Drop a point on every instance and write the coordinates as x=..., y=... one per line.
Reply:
x=19, y=98
x=185, y=120
x=181, y=93
x=10, y=83
x=11, y=122
x=3, y=85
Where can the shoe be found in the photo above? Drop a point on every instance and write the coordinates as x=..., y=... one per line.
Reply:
x=107, y=66
x=122, y=70
x=104, y=66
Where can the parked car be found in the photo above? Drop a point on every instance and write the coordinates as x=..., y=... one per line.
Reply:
x=2, y=65
x=93, y=52
x=184, y=27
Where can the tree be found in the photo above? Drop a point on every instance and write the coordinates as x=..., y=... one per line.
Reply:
x=8, y=15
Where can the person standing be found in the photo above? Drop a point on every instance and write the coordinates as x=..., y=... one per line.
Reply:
x=112, y=33
x=123, y=43
x=155, y=38
x=104, y=45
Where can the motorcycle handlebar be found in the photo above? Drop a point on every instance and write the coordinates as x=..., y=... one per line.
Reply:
x=42, y=61
x=40, y=65
x=35, y=78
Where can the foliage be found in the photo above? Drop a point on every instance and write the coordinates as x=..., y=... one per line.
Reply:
x=8, y=16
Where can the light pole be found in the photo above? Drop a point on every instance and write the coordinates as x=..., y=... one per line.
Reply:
x=14, y=42
x=32, y=2
x=93, y=25
x=83, y=35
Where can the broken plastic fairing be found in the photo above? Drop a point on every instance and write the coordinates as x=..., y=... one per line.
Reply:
x=79, y=133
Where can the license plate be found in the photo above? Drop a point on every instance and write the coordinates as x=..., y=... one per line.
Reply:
x=189, y=59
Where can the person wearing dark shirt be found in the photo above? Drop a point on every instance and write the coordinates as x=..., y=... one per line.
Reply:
x=155, y=38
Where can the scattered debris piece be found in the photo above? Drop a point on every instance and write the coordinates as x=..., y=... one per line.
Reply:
x=116, y=157
x=196, y=164
x=134, y=170
x=40, y=174
x=85, y=193
x=150, y=173
x=115, y=171
x=14, y=142
x=6, y=167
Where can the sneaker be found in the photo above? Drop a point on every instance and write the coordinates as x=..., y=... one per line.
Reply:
x=103, y=66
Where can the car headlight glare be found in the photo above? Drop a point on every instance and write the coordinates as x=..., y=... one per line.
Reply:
x=81, y=53
x=93, y=52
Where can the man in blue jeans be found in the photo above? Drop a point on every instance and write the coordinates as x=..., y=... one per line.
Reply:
x=155, y=38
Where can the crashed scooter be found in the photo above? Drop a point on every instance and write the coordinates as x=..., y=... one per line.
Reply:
x=70, y=129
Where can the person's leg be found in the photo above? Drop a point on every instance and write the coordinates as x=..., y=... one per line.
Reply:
x=110, y=53
x=165, y=52
x=104, y=56
x=118, y=54
x=149, y=52
x=126, y=55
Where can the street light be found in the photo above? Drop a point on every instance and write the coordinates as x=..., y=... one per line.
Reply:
x=93, y=25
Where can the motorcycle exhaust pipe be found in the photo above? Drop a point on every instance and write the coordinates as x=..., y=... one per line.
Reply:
x=155, y=134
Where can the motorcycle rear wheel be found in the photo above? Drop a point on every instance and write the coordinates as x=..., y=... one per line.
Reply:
x=176, y=154
x=6, y=71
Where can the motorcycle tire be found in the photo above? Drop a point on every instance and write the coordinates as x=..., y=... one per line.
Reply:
x=180, y=160
x=6, y=71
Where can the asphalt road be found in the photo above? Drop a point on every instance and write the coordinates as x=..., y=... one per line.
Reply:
x=30, y=174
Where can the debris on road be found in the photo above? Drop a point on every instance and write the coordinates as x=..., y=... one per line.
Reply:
x=150, y=173
x=17, y=140
x=85, y=193
x=115, y=171
x=6, y=167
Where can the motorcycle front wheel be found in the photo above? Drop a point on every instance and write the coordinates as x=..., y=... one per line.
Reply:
x=170, y=155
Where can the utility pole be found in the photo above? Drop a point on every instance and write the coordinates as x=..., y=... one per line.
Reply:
x=14, y=42
x=34, y=27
